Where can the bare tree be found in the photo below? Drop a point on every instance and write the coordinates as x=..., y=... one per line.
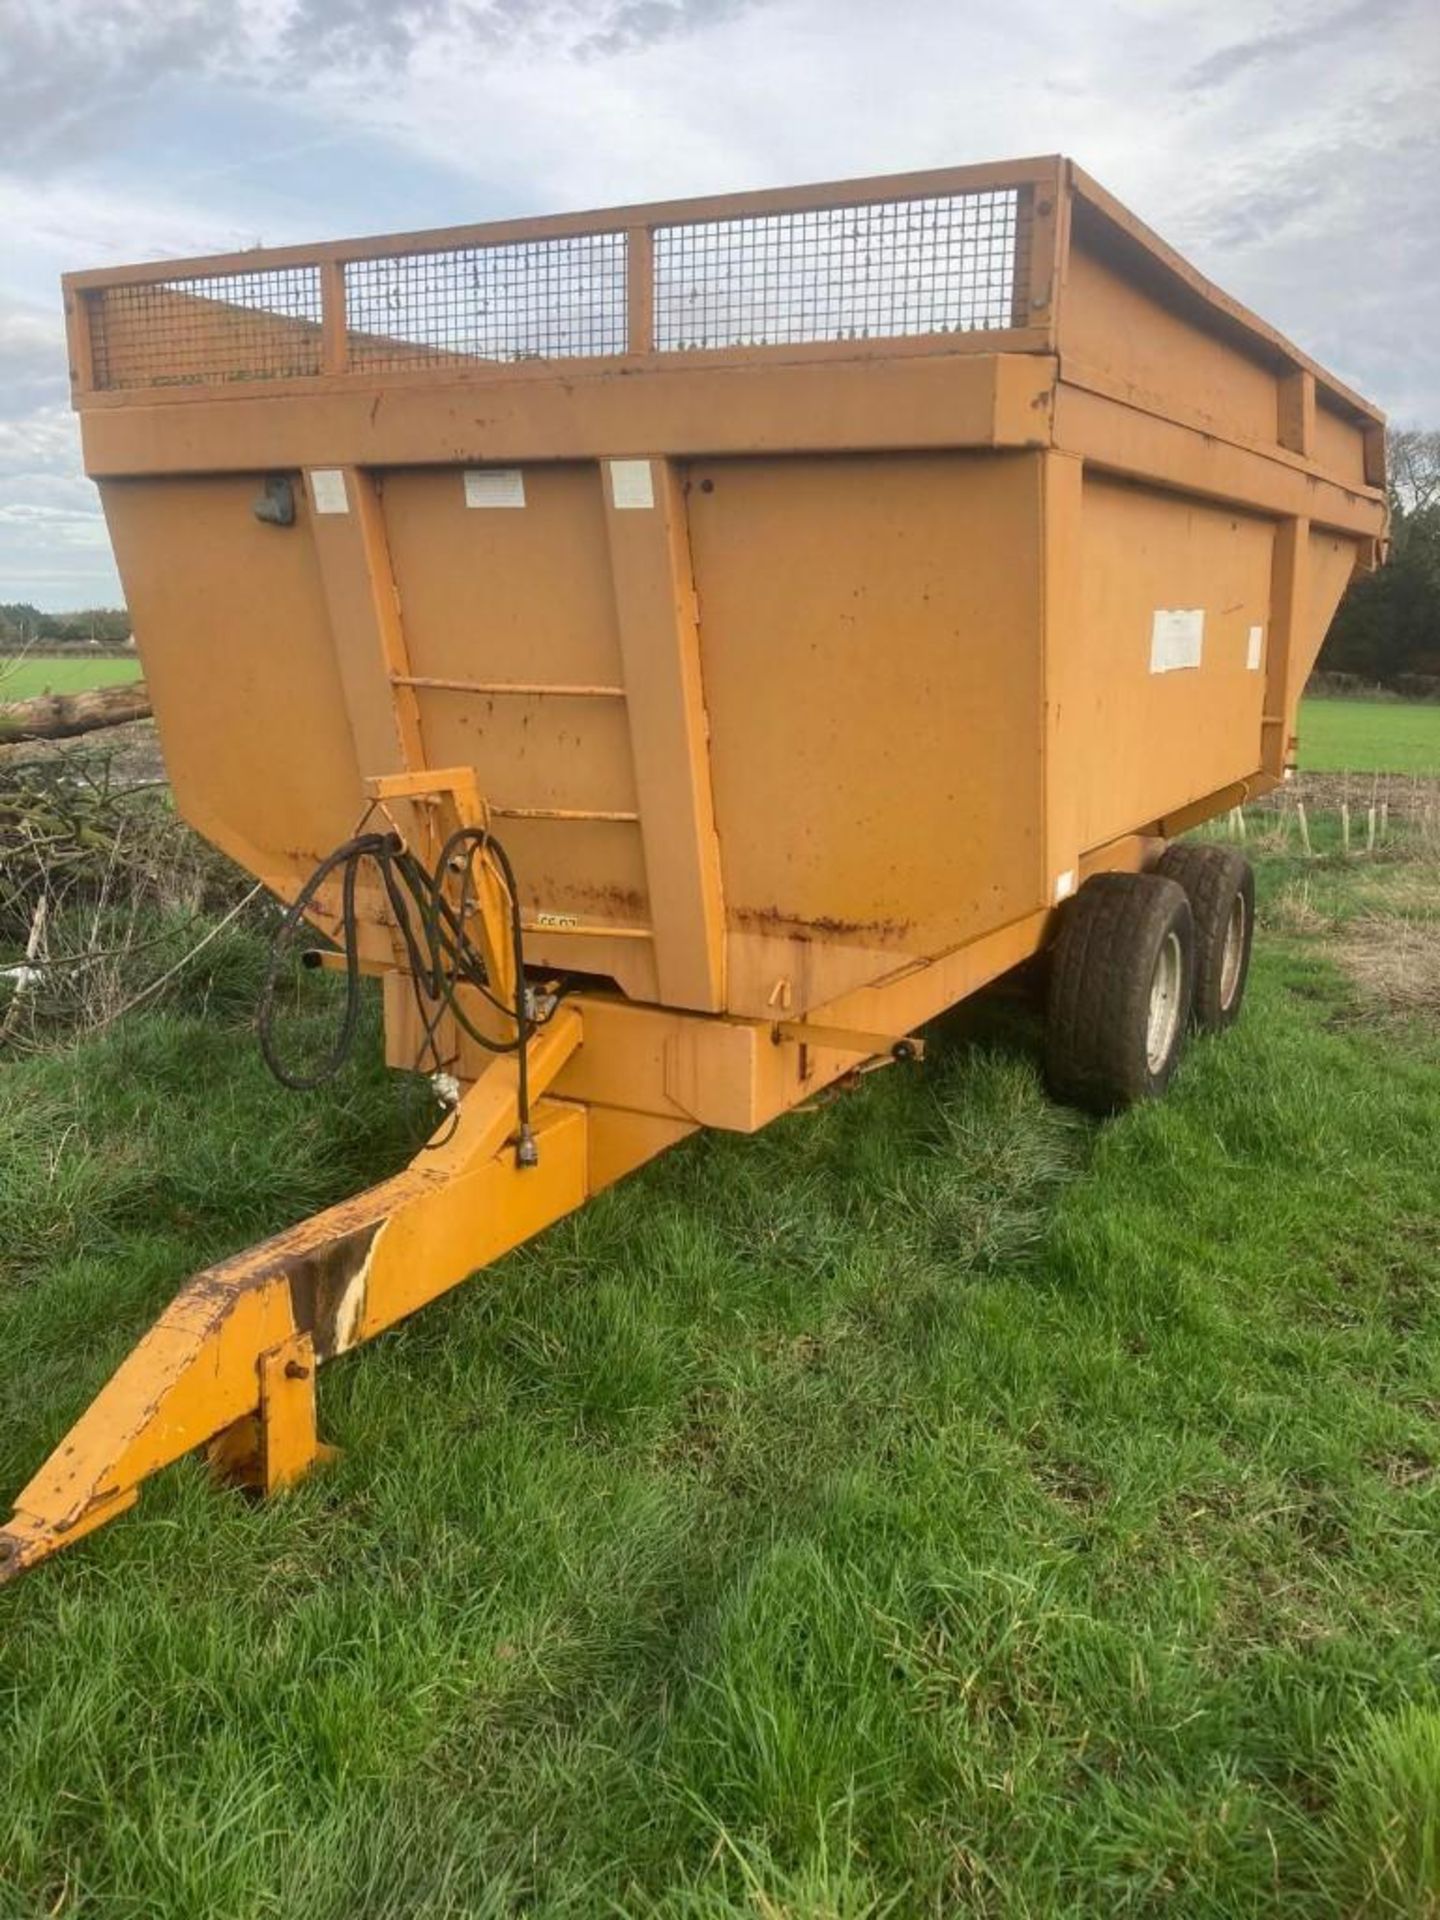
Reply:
x=1414, y=461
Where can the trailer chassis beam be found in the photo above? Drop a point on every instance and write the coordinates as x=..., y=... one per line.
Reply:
x=230, y=1365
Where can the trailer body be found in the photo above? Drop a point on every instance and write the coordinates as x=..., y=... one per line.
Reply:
x=812, y=578
x=811, y=588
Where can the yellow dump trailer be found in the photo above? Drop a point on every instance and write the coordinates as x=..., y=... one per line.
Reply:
x=683, y=649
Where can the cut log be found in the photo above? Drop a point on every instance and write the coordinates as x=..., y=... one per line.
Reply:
x=59, y=716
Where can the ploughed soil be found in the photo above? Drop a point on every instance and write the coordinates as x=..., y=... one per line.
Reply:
x=1409, y=796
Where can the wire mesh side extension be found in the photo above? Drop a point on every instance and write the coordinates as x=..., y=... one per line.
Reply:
x=952, y=264
x=945, y=263
x=529, y=300
x=192, y=332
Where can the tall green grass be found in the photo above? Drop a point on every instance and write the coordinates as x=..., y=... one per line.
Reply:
x=938, y=1504
x=21, y=678
x=1370, y=736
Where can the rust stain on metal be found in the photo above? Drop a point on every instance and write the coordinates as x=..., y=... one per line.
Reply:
x=773, y=920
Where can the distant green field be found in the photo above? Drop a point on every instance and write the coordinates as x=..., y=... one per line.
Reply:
x=23, y=679
x=1369, y=736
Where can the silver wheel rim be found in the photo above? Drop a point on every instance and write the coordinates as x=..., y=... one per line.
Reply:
x=1165, y=998
x=1232, y=956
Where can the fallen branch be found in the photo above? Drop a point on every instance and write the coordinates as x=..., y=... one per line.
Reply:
x=60, y=716
x=23, y=977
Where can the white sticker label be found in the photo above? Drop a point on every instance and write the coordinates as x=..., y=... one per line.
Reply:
x=327, y=490
x=495, y=487
x=631, y=484
x=1255, y=651
x=1177, y=638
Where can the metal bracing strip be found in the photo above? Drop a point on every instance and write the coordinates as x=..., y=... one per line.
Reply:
x=591, y=929
x=616, y=818
x=1287, y=610
x=521, y=689
x=369, y=643
x=657, y=616
x=1117, y=438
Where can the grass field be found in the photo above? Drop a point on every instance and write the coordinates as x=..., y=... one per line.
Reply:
x=22, y=679
x=1369, y=736
x=941, y=1504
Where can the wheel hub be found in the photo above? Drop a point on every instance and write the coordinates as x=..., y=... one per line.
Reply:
x=1233, y=954
x=1166, y=988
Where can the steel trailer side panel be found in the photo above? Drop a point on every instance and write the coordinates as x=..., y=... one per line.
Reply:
x=500, y=597
x=1114, y=327
x=1142, y=734
x=234, y=634
x=869, y=640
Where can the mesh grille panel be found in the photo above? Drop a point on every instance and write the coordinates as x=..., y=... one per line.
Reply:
x=946, y=263
x=951, y=264
x=227, y=326
x=531, y=300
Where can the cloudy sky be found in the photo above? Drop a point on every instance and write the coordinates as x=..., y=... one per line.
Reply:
x=1292, y=150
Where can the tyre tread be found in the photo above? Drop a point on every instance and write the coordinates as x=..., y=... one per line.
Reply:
x=1100, y=987
x=1211, y=876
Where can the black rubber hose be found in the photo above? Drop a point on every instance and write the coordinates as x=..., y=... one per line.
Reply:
x=440, y=953
x=348, y=856
x=480, y=837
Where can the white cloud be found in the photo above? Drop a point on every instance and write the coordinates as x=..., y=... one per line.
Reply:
x=1293, y=151
x=52, y=536
x=68, y=223
x=40, y=447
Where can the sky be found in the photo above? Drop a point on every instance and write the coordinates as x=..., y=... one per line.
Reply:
x=1291, y=150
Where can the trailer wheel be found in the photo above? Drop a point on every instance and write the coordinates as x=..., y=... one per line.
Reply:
x=1121, y=983
x=1220, y=886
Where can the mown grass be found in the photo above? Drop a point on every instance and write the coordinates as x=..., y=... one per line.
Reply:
x=1369, y=736
x=939, y=1504
x=22, y=678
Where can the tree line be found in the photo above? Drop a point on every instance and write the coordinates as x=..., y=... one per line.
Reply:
x=22, y=625
x=1388, y=628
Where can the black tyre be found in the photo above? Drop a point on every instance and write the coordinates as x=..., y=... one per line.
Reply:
x=1220, y=886
x=1121, y=980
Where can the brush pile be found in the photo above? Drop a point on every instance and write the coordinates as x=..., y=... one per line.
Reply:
x=102, y=888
